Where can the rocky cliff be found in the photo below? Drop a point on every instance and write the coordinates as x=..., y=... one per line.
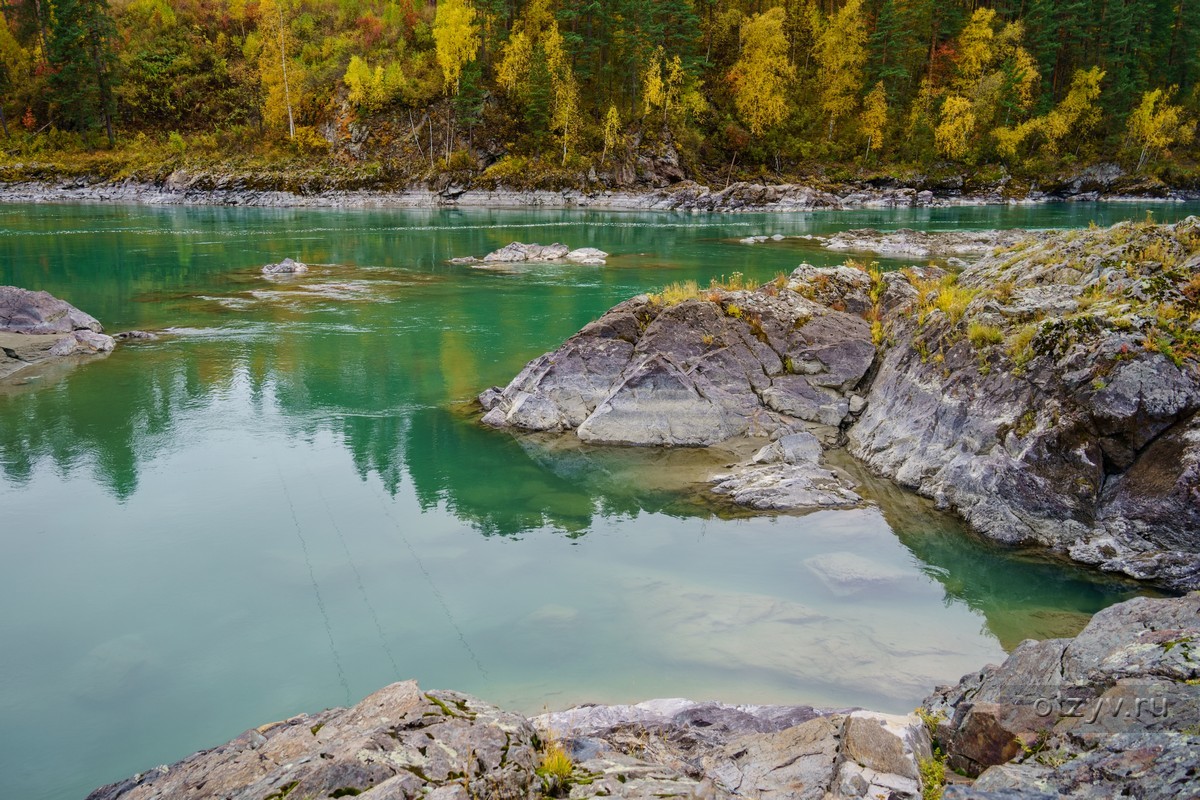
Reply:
x=1047, y=394
x=1113, y=712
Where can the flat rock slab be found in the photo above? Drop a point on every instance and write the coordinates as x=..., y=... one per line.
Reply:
x=803, y=485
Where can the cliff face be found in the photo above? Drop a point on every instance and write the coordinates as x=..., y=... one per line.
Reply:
x=1047, y=393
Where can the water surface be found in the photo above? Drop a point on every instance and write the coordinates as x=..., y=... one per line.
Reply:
x=285, y=503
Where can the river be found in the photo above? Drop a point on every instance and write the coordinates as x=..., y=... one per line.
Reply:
x=286, y=502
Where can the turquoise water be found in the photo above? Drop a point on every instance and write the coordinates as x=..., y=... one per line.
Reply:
x=285, y=501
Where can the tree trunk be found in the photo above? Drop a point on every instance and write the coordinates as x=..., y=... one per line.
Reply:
x=287, y=95
x=3, y=121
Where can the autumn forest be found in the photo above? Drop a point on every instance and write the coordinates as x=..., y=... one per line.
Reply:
x=553, y=90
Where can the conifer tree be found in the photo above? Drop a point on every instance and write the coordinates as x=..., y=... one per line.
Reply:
x=80, y=48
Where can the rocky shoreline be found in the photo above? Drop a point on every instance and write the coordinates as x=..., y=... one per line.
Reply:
x=1047, y=394
x=1113, y=712
x=185, y=188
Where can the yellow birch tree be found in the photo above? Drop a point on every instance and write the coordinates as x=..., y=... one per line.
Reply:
x=841, y=54
x=762, y=75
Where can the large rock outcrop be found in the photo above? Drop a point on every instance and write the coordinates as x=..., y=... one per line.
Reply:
x=721, y=364
x=36, y=326
x=1047, y=394
x=696, y=372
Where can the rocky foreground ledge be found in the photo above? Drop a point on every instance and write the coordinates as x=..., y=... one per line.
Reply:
x=1047, y=394
x=1113, y=712
x=36, y=327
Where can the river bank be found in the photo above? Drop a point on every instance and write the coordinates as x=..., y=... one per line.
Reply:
x=1113, y=712
x=218, y=189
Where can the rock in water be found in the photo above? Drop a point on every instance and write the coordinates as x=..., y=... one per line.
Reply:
x=286, y=267
x=1049, y=394
x=23, y=311
x=1022, y=394
x=518, y=252
x=30, y=328
x=82, y=343
x=587, y=255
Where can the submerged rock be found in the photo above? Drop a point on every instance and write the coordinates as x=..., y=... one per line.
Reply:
x=286, y=267
x=82, y=343
x=801, y=485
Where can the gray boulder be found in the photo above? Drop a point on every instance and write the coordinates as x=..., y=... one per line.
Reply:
x=695, y=373
x=23, y=311
x=519, y=252
x=782, y=486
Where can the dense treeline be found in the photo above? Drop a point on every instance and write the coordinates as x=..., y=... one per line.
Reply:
x=766, y=85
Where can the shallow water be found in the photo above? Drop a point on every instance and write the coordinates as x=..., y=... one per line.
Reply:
x=285, y=503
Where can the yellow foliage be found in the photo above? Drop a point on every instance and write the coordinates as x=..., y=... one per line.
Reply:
x=953, y=134
x=456, y=35
x=371, y=89
x=874, y=117
x=514, y=64
x=761, y=77
x=842, y=55
x=1156, y=125
x=556, y=762
x=612, y=130
x=976, y=45
x=1076, y=115
x=662, y=83
x=279, y=71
